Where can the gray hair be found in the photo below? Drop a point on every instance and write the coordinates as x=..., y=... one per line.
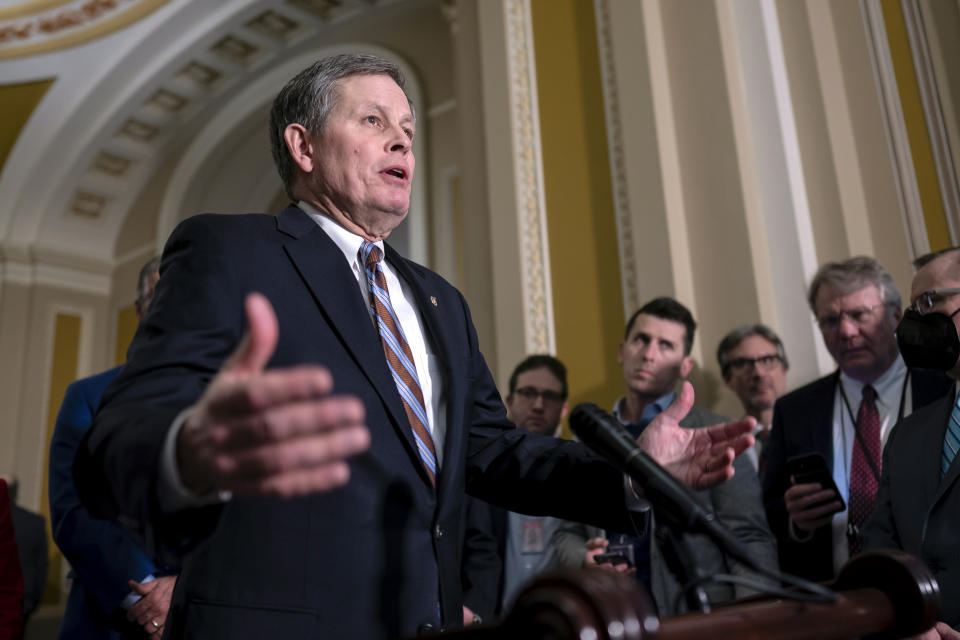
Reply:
x=852, y=275
x=153, y=266
x=311, y=95
x=741, y=333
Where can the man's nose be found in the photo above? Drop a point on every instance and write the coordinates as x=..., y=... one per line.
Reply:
x=398, y=140
x=846, y=326
x=538, y=401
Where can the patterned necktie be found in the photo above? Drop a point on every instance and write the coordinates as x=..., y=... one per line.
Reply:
x=951, y=441
x=863, y=482
x=399, y=356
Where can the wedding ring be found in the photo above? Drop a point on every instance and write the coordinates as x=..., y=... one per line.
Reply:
x=156, y=625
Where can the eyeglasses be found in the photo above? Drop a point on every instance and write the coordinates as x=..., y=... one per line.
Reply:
x=925, y=301
x=530, y=394
x=763, y=363
x=860, y=316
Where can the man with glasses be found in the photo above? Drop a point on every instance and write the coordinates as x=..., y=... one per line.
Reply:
x=537, y=402
x=654, y=358
x=918, y=502
x=844, y=417
x=754, y=366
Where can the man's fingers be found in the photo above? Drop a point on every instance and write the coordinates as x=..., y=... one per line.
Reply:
x=257, y=345
x=291, y=455
x=288, y=421
x=300, y=482
x=232, y=397
x=681, y=405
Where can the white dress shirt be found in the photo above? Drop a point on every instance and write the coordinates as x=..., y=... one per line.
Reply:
x=891, y=387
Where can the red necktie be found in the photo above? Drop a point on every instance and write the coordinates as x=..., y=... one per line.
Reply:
x=863, y=482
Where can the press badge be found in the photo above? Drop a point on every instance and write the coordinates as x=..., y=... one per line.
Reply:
x=532, y=532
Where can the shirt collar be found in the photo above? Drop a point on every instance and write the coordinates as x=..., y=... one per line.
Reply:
x=347, y=241
x=888, y=386
x=649, y=412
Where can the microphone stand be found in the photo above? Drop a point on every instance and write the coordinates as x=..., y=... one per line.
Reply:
x=682, y=564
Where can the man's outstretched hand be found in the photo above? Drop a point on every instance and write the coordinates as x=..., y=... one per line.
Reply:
x=701, y=458
x=269, y=432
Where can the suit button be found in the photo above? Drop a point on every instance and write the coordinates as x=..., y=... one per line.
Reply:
x=437, y=532
x=426, y=629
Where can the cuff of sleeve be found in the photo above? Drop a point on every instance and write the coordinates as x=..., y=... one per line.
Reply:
x=174, y=496
x=133, y=597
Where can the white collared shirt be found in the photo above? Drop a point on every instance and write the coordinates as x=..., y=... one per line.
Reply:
x=890, y=389
x=401, y=297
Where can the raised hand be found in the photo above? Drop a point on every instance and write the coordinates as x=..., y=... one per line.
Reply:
x=701, y=458
x=269, y=432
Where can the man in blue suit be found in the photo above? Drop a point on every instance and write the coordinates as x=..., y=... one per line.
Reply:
x=115, y=584
x=304, y=513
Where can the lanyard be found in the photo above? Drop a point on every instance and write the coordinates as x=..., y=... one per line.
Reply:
x=856, y=429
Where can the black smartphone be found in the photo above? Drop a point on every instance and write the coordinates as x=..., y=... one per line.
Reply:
x=812, y=467
x=612, y=558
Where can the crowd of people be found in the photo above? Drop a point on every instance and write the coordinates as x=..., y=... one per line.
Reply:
x=306, y=441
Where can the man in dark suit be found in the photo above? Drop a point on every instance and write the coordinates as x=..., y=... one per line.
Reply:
x=11, y=578
x=918, y=502
x=857, y=308
x=307, y=513
x=114, y=583
x=654, y=358
x=31, y=532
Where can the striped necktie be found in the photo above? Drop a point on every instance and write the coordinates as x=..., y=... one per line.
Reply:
x=399, y=357
x=951, y=441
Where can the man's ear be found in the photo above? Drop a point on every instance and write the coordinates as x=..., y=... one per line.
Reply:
x=300, y=146
x=897, y=314
x=620, y=354
x=686, y=366
x=564, y=410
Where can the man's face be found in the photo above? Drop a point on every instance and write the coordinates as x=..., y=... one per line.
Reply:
x=757, y=386
x=537, y=403
x=652, y=358
x=940, y=273
x=363, y=161
x=857, y=329
x=149, y=287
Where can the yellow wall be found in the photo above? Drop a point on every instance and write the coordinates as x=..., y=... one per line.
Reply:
x=584, y=263
x=66, y=347
x=126, y=326
x=17, y=102
x=933, y=212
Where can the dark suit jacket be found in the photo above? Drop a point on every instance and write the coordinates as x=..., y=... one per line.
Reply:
x=366, y=560
x=102, y=556
x=11, y=578
x=803, y=423
x=31, y=532
x=917, y=511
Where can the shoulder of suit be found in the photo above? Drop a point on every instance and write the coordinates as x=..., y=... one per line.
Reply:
x=98, y=381
x=699, y=417
x=818, y=389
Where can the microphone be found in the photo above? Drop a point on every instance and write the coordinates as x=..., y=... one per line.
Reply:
x=672, y=501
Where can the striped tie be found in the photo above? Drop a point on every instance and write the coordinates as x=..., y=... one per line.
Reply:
x=399, y=356
x=951, y=441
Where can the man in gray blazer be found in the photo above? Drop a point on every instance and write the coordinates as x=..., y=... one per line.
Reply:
x=654, y=357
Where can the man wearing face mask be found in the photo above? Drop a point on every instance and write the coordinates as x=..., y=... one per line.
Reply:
x=918, y=501
x=844, y=417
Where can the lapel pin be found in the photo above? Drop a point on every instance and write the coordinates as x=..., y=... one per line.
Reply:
x=433, y=299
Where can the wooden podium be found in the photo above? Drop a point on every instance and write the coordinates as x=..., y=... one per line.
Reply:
x=887, y=594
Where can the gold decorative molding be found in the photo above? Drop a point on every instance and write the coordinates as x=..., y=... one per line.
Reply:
x=618, y=165
x=40, y=27
x=535, y=259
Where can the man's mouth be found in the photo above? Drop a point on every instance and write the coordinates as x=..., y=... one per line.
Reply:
x=396, y=172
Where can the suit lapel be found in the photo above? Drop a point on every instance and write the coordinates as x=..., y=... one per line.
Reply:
x=331, y=281
x=821, y=419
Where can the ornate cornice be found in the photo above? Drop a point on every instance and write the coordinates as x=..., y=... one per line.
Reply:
x=621, y=199
x=528, y=166
x=44, y=26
